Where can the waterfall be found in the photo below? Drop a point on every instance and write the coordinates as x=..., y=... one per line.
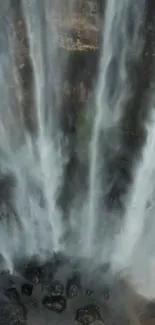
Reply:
x=33, y=161
x=121, y=47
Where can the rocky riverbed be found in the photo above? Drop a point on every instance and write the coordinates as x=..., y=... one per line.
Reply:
x=63, y=291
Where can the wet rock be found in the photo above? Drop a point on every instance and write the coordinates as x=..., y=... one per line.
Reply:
x=32, y=273
x=50, y=269
x=14, y=297
x=73, y=286
x=55, y=289
x=48, y=272
x=147, y=316
x=6, y=280
x=12, y=312
x=106, y=294
x=56, y=303
x=12, y=294
x=88, y=292
x=72, y=290
x=52, y=288
x=146, y=319
x=27, y=289
x=150, y=308
x=88, y=314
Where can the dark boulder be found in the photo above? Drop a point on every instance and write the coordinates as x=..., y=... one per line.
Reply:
x=32, y=273
x=88, y=314
x=88, y=292
x=27, y=289
x=12, y=311
x=56, y=303
x=73, y=286
x=55, y=289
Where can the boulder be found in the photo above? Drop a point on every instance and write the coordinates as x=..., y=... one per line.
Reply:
x=12, y=311
x=88, y=314
x=56, y=288
x=73, y=286
x=27, y=289
x=56, y=303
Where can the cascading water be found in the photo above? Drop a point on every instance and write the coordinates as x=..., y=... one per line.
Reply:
x=43, y=54
x=32, y=222
x=134, y=251
x=121, y=48
x=34, y=161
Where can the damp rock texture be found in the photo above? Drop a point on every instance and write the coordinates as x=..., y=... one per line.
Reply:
x=55, y=303
x=11, y=311
x=88, y=315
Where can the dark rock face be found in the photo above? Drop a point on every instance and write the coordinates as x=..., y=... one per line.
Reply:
x=32, y=273
x=49, y=269
x=27, y=289
x=88, y=314
x=13, y=295
x=11, y=311
x=56, y=303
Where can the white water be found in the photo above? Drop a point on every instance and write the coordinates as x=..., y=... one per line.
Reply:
x=32, y=221
x=134, y=245
x=43, y=40
x=35, y=161
x=139, y=201
x=122, y=44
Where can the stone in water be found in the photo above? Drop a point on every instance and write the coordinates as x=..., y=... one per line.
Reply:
x=88, y=314
x=56, y=303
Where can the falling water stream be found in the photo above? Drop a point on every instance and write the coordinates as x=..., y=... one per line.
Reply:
x=122, y=45
x=35, y=162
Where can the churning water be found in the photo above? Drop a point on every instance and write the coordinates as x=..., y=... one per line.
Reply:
x=34, y=162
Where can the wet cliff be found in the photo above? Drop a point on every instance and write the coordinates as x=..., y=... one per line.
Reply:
x=79, y=44
x=79, y=41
